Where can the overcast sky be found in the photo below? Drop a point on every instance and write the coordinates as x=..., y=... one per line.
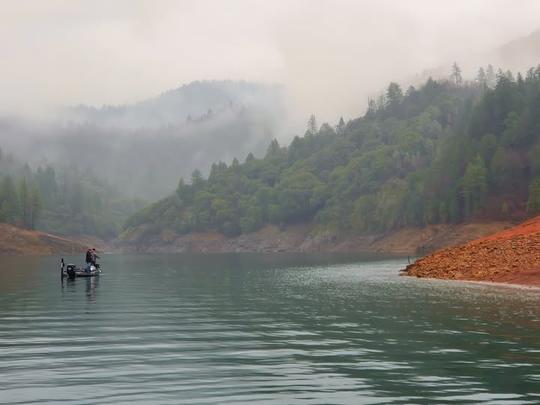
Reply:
x=330, y=54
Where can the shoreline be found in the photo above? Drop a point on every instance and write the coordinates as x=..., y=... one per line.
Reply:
x=511, y=256
x=15, y=241
x=518, y=286
x=301, y=238
x=309, y=239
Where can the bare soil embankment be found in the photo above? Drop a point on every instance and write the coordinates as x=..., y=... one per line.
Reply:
x=508, y=256
x=304, y=238
x=17, y=241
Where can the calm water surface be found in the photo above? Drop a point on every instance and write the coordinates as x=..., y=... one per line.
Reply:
x=280, y=329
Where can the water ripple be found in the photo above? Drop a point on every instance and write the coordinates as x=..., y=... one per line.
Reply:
x=171, y=329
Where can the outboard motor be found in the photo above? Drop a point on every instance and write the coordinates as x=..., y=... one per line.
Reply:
x=70, y=270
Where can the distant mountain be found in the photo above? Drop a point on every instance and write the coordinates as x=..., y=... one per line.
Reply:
x=517, y=55
x=143, y=148
x=196, y=101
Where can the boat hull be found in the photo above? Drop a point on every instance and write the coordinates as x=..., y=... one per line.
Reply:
x=82, y=273
x=72, y=271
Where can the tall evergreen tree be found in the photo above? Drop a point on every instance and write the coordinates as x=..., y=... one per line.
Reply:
x=312, y=127
x=9, y=201
x=474, y=185
x=340, y=127
x=35, y=205
x=394, y=97
x=481, y=78
x=24, y=200
x=456, y=77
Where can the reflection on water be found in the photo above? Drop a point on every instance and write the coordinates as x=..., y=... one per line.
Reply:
x=261, y=328
x=69, y=286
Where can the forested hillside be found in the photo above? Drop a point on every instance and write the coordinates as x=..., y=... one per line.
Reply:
x=192, y=102
x=449, y=151
x=143, y=148
x=63, y=200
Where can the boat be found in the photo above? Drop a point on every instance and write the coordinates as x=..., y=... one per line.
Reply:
x=72, y=271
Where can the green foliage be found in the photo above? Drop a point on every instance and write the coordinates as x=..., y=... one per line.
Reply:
x=9, y=201
x=436, y=154
x=474, y=186
x=533, y=203
x=69, y=203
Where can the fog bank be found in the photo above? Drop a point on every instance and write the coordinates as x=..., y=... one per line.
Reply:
x=330, y=55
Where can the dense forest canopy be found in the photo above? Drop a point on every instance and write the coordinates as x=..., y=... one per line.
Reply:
x=448, y=151
x=64, y=200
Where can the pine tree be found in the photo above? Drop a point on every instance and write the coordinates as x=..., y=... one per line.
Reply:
x=456, y=77
x=35, y=206
x=273, y=148
x=372, y=108
x=340, y=127
x=394, y=97
x=196, y=178
x=24, y=201
x=312, y=127
x=250, y=157
x=474, y=185
x=481, y=78
x=9, y=201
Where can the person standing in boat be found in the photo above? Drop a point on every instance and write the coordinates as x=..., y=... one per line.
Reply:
x=94, y=258
x=89, y=256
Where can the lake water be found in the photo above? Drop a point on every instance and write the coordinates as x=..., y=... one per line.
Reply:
x=279, y=329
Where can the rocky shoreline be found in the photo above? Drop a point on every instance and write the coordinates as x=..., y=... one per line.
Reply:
x=307, y=239
x=24, y=242
x=510, y=256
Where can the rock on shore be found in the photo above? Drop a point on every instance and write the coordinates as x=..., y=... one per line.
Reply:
x=509, y=256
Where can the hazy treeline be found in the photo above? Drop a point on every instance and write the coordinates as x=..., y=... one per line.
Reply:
x=448, y=151
x=64, y=201
x=142, y=148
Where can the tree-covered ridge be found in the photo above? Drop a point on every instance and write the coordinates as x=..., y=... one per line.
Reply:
x=448, y=151
x=63, y=201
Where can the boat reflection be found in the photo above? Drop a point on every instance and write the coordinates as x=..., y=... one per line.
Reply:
x=92, y=284
x=72, y=285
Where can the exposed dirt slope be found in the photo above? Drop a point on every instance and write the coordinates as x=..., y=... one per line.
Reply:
x=17, y=241
x=509, y=256
x=303, y=238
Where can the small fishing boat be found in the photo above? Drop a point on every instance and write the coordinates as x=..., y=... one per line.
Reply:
x=72, y=271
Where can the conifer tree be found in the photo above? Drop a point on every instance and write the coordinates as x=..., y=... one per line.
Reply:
x=312, y=127
x=35, y=206
x=340, y=127
x=456, y=77
x=24, y=200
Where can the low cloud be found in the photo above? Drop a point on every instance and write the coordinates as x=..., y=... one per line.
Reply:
x=330, y=55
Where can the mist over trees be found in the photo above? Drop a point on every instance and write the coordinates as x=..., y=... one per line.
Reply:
x=140, y=149
x=61, y=200
x=447, y=152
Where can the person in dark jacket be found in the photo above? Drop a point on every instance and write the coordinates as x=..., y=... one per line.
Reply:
x=89, y=256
